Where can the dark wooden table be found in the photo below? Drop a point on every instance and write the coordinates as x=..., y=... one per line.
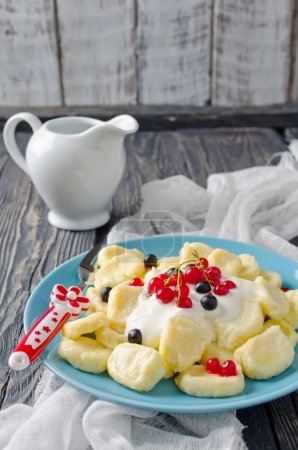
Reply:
x=31, y=248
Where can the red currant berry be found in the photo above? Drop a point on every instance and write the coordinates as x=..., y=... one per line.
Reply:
x=176, y=293
x=213, y=273
x=166, y=295
x=155, y=284
x=215, y=283
x=285, y=289
x=229, y=284
x=174, y=280
x=163, y=276
x=220, y=289
x=193, y=275
x=203, y=262
x=136, y=282
x=184, y=302
x=228, y=369
x=184, y=290
x=213, y=366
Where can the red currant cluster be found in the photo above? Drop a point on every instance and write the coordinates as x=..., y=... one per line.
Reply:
x=226, y=369
x=224, y=287
x=170, y=287
x=174, y=283
x=201, y=271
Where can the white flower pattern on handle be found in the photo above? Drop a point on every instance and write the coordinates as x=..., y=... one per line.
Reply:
x=72, y=296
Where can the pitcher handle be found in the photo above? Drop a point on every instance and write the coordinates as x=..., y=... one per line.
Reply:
x=10, y=140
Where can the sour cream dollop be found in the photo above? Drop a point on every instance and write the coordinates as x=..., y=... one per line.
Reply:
x=150, y=314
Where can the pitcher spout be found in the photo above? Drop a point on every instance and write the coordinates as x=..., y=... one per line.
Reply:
x=110, y=134
x=125, y=124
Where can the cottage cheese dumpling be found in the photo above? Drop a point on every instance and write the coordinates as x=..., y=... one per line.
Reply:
x=227, y=262
x=188, y=250
x=286, y=328
x=272, y=277
x=250, y=269
x=119, y=268
x=214, y=351
x=183, y=341
x=108, y=337
x=122, y=301
x=84, y=354
x=292, y=316
x=85, y=325
x=108, y=252
x=136, y=366
x=167, y=263
x=265, y=355
x=233, y=333
x=97, y=304
x=198, y=382
x=272, y=300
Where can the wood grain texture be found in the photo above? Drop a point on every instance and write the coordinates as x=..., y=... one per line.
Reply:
x=284, y=422
x=98, y=51
x=29, y=72
x=293, y=82
x=258, y=434
x=30, y=248
x=158, y=118
x=174, y=51
x=251, y=51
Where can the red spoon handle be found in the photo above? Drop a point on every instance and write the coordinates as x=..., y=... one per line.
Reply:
x=39, y=336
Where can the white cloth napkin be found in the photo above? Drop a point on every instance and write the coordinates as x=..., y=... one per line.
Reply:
x=258, y=205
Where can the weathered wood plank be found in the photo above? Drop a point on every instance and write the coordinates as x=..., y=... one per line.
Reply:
x=177, y=117
x=284, y=422
x=293, y=85
x=294, y=396
x=251, y=51
x=28, y=54
x=30, y=248
x=98, y=51
x=257, y=434
x=174, y=51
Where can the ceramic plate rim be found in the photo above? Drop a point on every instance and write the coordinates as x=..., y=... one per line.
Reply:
x=231, y=402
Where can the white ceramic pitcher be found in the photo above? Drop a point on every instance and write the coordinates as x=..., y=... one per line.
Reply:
x=75, y=163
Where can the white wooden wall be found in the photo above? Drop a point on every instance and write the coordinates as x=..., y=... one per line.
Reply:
x=149, y=52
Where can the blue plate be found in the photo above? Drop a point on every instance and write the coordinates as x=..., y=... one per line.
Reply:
x=165, y=396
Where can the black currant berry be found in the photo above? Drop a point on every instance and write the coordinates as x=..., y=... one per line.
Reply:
x=135, y=336
x=189, y=265
x=170, y=271
x=209, y=302
x=202, y=287
x=150, y=260
x=105, y=292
